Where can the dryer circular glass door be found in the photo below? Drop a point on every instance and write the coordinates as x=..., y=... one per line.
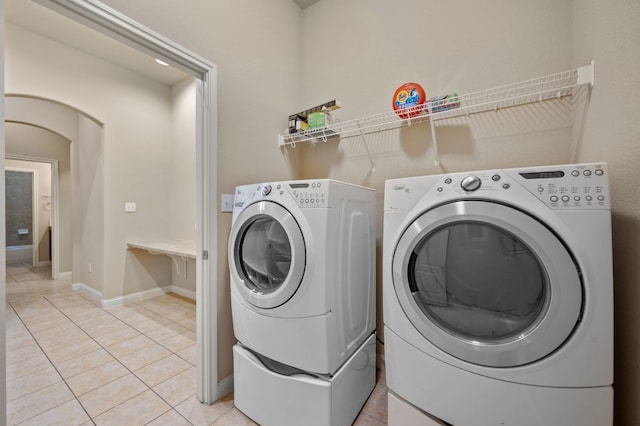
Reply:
x=267, y=254
x=487, y=283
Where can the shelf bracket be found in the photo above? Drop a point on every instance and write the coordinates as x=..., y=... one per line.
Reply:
x=366, y=147
x=586, y=74
x=434, y=142
x=175, y=259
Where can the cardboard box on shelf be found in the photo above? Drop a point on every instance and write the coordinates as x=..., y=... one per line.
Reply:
x=319, y=119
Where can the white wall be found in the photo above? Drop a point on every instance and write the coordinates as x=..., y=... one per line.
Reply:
x=89, y=245
x=182, y=182
x=609, y=32
x=182, y=193
x=455, y=46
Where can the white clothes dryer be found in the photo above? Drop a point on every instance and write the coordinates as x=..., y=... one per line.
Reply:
x=498, y=295
x=302, y=263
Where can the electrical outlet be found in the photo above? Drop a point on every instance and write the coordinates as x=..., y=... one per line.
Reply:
x=129, y=207
x=227, y=203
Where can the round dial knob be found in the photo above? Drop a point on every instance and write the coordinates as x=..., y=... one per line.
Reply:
x=471, y=183
x=266, y=190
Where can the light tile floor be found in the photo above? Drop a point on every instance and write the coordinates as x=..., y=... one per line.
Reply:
x=70, y=362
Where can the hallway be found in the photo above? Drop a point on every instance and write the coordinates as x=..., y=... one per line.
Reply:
x=70, y=362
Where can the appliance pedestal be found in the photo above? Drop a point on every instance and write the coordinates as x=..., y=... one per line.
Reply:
x=293, y=397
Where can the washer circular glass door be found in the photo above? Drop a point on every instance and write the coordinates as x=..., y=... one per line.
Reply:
x=267, y=254
x=487, y=283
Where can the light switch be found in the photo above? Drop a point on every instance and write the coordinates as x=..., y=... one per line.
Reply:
x=227, y=203
x=129, y=207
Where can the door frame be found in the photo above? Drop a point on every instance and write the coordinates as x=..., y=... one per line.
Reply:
x=120, y=27
x=55, y=266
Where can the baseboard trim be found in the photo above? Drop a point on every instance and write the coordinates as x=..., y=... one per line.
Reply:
x=189, y=294
x=225, y=386
x=135, y=297
x=121, y=300
x=84, y=288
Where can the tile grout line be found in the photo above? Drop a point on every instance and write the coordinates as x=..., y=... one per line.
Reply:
x=76, y=397
x=51, y=362
x=127, y=368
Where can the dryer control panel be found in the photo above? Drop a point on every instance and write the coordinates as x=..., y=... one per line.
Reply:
x=563, y=187
x=577, y=186
x=307, y=193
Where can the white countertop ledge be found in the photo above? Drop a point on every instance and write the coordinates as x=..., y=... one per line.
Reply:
x=182, y=248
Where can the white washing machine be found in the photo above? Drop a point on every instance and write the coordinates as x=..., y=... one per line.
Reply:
x=498, y=295
x=302, y=263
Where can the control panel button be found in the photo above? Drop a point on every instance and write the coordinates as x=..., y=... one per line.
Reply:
x=575, y=173
x=576, y=198
x=495, y=178
x=588, y=198
x=471, y=183
x=565, y=198
x=448, y=181
x=554, y=198
x=506, y=185
x=266, y=190
x=587, y=173
x=600, y=197
x=599, y=172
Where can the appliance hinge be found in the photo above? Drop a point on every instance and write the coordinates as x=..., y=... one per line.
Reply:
x=205, y=254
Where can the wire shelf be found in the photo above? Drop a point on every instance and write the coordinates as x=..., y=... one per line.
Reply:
x=554, y=86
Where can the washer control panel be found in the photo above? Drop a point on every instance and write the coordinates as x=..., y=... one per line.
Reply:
x=577, y=186
x=304, y=193
x=308, y=193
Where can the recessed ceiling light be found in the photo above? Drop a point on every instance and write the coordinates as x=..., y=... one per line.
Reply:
x=162, y=62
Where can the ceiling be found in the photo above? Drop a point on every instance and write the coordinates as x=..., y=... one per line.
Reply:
x=40, y=20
